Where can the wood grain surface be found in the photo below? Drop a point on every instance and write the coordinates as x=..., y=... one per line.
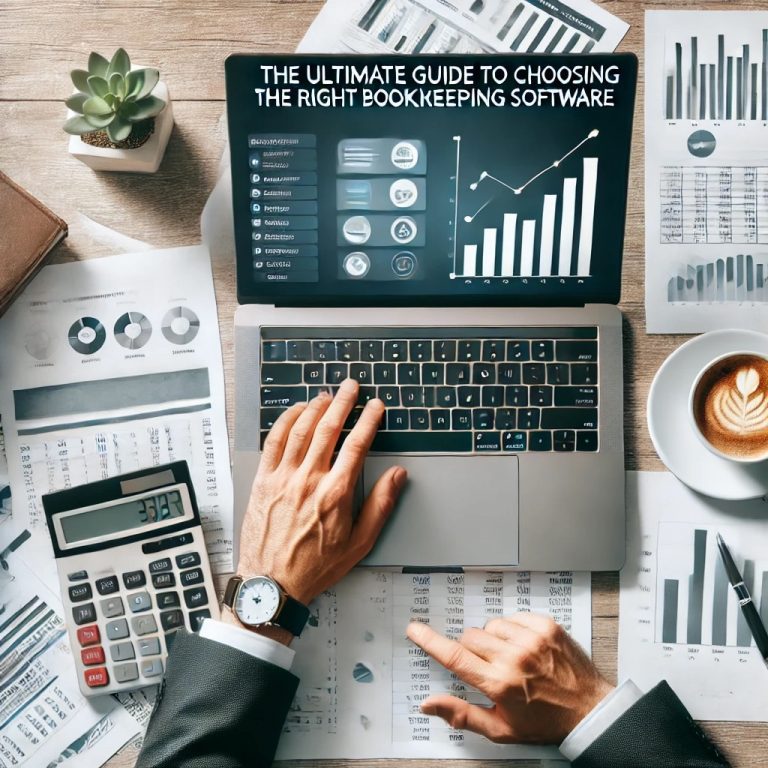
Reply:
x=188, y=40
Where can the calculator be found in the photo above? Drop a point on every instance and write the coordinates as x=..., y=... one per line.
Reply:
x=133, y=570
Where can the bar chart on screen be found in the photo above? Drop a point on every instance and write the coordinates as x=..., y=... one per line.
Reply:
x=717, y=76
x=740, y=278
x=510, y=228
x=695, y=604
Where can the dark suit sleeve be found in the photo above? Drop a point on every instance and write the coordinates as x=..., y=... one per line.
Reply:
x=217, y=708
x=656, y=731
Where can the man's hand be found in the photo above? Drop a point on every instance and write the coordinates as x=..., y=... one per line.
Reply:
x=298, y=528
x=540, y=682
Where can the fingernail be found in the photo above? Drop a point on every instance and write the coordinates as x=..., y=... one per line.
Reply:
x=348, y=385
x=375, y=403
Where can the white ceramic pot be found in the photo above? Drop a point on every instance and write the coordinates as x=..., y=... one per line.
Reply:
x=143, y=159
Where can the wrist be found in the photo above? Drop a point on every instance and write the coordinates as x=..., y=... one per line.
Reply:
x=278, y=634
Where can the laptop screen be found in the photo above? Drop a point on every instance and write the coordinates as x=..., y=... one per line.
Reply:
x=424, y=180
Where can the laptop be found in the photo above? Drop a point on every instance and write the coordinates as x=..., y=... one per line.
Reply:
x=448, y=231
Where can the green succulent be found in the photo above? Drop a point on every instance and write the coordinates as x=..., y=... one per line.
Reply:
x=111, y=97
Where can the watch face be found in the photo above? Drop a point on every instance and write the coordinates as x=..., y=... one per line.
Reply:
x=257, y=601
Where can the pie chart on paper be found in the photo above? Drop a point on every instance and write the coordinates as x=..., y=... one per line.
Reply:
x=180, y=325
x=702, y=143
x=87, y=335
x=132, y=330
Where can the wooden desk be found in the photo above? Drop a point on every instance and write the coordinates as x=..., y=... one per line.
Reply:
x=188, y=41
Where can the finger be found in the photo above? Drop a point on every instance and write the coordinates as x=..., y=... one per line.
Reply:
x=465, y=716
x=301, y=433
x=452, y=655
x=329, y=427
x=274, y=445
x=349, y=462
x=484, y=644
x=510, y=632
x=542, y=625
x=376, y=509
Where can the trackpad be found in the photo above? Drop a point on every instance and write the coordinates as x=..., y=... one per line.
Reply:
x=454, y=511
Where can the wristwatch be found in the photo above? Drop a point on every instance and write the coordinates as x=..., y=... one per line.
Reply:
x=259, y=600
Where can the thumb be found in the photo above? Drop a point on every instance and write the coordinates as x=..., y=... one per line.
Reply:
x=465, y=716
x=377, y=508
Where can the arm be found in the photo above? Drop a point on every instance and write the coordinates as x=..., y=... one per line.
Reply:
x=545, y=690
x=226, y=693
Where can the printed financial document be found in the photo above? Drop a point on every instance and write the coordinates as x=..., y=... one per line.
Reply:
x=463, y=26
x=112, y=365
x=706, y=170
x=362, y=680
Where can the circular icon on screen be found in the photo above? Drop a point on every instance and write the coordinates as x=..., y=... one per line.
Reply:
x=403, y=230
x=405, y=155
x=132, y=330
x=180, y=325
x=701, y=143
x=403, y=264
x=357, y=230
x=357, y=264
x=87, y=335
x=403, y=193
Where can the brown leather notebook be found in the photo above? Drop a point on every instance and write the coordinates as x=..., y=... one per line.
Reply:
x=28, y=231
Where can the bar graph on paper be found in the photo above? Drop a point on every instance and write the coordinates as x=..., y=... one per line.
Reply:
x=717, y=76
x=695, y=604
x=553, y=238
x=740, y=278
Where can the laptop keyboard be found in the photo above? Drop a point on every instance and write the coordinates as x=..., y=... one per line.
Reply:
x=446, y=390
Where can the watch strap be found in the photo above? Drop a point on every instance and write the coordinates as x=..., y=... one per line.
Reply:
x=231, y=590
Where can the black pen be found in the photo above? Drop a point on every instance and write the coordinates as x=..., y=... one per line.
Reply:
x=752, y=617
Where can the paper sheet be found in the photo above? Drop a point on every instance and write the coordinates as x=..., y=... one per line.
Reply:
x=112, y=365
x=706, y=170
x=678, y=617
x=463, y=26
x=44, y=719
x=362, y=680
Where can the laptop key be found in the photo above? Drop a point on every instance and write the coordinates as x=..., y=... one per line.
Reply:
x=433, y=373
x=487, y=442
x=384, y=373
x=558, y=373
x=469, y=397
x=483, y=373
x=348, y=351
x=282, y=397
x=371, y=350
x=577, y=351
x=335, y=373
x=419, y=419
x=534, y=373
x=517, y=397
x=541, y=396
x=423, y=442
x=585, y=373
x=440, y=418
x=390, y=396
x=281, y=373
x=412, y=397
x=586, y=441
x=528, y=418
x=468, y=350
x=324, y=351
x=584, y=397
x=361, y=372
x=397, y=419
x=515, y=441
x=482, y=418
x=273, y=351
x=314, y=373
x=395, y=351
x=494, y=350
x=506, y=418
x=364, y=394
x=565, y=440
x=421, y=351
x=408, y=373
x=445, y=397
x=461, y=419
x=510, y=373
x=457, y=373
x=540, y=441
x=269, y=416
x=543, y=350
x=298, y=351
x=519, y=351
x=569, y=418
x=444, y=350
x=493, y=397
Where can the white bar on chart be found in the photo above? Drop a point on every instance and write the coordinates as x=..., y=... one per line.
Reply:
x=489, y=252
x=547, y=235
x=529, y=236
x=588, y=194
x=470, y=260
x=508, y=245
x=566, y=227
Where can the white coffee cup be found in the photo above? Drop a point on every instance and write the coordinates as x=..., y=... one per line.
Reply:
x=737, y=408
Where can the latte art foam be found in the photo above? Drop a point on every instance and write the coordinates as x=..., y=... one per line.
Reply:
x=731, y=406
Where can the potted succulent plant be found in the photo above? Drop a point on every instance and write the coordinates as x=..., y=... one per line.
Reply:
x=120, y=117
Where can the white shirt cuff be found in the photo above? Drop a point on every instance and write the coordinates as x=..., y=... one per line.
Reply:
x=260, y=647
x=600, y=719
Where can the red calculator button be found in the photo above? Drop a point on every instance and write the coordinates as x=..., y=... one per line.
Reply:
x=92, y=656
x=89, y=635
x=97, y=677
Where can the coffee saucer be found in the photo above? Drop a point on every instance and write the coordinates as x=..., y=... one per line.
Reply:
x=669, y=423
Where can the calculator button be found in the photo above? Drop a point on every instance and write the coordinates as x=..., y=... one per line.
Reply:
x=144, y=625
x=80, y=592
x=160, y=565
x=163, y=580
x=171, y=543
x=152, y=668
x=196, y=619
x=94, y=655
x=188, y=578
x=111, y=607
x=88, y=635
x=171, y=620
x=84, y=614
x=122, y=651
x=196, y=598
x=117, y=630
x=168, y=600
x=134, y=579
x=78, y=576
x=124, y=673
x=139, y=602
x=188, y=560
x=107, y=585
x=149, y=646
x=150, y=547
x=96, y=678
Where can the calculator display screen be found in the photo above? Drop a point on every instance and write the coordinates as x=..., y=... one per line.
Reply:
x=122, y=517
